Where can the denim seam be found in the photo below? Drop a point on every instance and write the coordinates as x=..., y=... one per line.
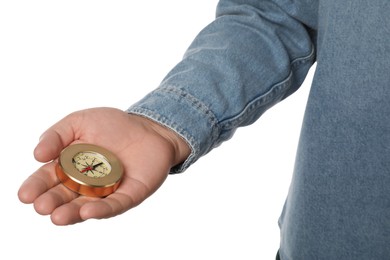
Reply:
x=197, y=104
x=276, y=91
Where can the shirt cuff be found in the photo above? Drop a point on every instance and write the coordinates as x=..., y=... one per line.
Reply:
x=181, y=112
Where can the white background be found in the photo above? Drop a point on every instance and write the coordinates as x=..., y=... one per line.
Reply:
x=60, y=56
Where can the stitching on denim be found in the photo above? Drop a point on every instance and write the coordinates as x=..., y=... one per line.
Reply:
x=304, y=59
x=198, y=105
x=264, y=99
x=276, y=91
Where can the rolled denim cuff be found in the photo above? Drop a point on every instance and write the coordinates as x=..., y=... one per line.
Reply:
x=181, y=112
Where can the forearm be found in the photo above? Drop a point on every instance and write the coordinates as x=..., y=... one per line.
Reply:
x=252, y=56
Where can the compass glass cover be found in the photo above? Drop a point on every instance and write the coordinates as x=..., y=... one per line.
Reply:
x=91, y=164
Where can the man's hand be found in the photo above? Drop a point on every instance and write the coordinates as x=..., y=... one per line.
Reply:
x=146, y=149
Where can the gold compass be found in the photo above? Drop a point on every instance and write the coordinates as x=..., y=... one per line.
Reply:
x=89, y=170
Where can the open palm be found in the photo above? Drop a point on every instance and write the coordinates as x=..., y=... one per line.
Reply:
x=146, y=149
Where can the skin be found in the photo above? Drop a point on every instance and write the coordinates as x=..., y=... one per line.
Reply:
x=146, y=149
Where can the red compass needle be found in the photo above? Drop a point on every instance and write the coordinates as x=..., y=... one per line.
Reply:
x=90, y=167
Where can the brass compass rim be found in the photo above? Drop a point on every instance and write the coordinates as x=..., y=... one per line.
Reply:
x=72, y=178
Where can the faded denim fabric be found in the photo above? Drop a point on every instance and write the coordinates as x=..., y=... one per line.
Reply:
x=254, y=55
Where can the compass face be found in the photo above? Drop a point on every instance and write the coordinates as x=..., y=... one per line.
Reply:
x=89, y=170
x=91, y=164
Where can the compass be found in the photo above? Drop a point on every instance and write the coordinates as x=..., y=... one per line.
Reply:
x=89, y=170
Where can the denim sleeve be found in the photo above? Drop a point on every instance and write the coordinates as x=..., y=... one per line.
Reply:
x=254, y=54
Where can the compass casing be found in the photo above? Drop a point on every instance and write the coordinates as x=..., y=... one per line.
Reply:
x=78, y=182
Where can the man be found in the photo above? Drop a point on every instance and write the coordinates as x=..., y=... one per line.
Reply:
x=253, y=55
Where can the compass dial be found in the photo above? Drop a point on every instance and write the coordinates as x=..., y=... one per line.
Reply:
x=91, y=164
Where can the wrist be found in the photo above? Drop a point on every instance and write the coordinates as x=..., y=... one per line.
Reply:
x=180, y=148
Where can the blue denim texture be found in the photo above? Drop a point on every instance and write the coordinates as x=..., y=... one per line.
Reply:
x=258, y=52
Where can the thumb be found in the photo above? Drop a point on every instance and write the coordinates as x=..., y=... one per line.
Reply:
x=53, y=140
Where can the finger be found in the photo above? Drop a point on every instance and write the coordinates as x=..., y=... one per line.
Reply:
x=49, y=146
x=38, y=183
x=83, y=208
x=53, y=198
x=54, y=139
x=113, y=205
x=69, y=213
x=131, y=192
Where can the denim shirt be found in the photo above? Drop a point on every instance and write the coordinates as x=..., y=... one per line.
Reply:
x=258, y=52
